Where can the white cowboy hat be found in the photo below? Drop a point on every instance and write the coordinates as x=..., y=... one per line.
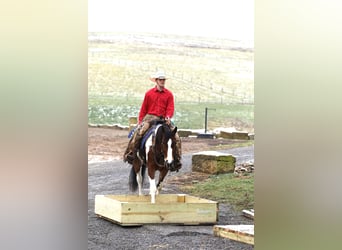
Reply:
x=158, y=75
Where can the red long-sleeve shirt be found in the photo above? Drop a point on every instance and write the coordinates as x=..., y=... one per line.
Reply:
x=159, y=103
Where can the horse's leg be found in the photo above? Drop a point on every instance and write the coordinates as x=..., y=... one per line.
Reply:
x=139, y=180
x=153, y=188
x=162, y=174
x=137, y=168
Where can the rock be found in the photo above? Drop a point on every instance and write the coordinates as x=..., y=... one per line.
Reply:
x=244, y=168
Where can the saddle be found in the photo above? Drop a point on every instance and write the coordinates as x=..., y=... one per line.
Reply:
x=150, y=131
x=153, y=123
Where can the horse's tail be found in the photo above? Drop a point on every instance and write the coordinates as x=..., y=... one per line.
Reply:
x=132, y=181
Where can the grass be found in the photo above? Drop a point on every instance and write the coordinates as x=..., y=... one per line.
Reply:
x=109, y=110
x=198, y=68
x=238, y=191
x=203, y=72
x=235, y=145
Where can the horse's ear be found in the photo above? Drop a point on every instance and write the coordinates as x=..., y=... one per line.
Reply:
x=174, y=131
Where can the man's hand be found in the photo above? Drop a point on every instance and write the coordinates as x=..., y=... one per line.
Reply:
x=168, y=120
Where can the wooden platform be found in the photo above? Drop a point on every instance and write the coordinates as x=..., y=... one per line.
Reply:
x=241, y=233
x=133, y=210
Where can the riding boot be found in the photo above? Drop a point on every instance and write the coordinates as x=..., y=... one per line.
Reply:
x=134, y=144
x=128, y=149
x=178, y=155
x=137, y=145
x=128, y=155
x=132, y=154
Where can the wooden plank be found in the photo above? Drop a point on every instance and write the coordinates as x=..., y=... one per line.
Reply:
x=179, y=213
x=169, y=208
x=194, y=199
x=241, y=233
x=108, y=208
x=248, y=213
x=181, y=198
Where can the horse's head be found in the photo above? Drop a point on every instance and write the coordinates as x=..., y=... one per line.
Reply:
x=167, y=144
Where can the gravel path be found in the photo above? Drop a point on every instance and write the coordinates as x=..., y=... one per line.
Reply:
x=112, y=178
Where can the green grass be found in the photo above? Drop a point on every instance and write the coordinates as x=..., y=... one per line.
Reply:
x=192, y=115
x=109, y=110
x=238, y=191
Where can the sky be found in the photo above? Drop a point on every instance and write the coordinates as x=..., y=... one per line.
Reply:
x=233, y=19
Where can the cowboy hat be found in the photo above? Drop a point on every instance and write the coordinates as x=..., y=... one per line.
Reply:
x=158, y=75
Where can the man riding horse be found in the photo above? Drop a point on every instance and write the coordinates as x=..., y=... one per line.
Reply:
x=158, y=103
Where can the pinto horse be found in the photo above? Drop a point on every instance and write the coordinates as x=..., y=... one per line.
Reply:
x=156, y=154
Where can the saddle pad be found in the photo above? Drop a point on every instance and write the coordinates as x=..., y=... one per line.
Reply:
x=130, y=134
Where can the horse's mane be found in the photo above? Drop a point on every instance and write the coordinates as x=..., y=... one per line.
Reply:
x=164, y=129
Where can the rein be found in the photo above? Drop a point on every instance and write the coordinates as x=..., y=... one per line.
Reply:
x=156, y=161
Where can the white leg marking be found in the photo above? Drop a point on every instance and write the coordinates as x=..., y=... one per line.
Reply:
x=139, y=180
x=153, y=190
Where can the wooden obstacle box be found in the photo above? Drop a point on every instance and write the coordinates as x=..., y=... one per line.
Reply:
x=241, y=233
x=134, y=210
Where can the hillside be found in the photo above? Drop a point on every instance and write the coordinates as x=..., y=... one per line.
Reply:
x=200, y=70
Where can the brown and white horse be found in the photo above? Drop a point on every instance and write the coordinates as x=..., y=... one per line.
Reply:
x=156, y=155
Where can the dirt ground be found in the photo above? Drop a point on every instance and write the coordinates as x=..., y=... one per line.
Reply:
x=105, y=144
x=107, y=174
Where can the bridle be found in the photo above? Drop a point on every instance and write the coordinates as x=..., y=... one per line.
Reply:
x=160, y=153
